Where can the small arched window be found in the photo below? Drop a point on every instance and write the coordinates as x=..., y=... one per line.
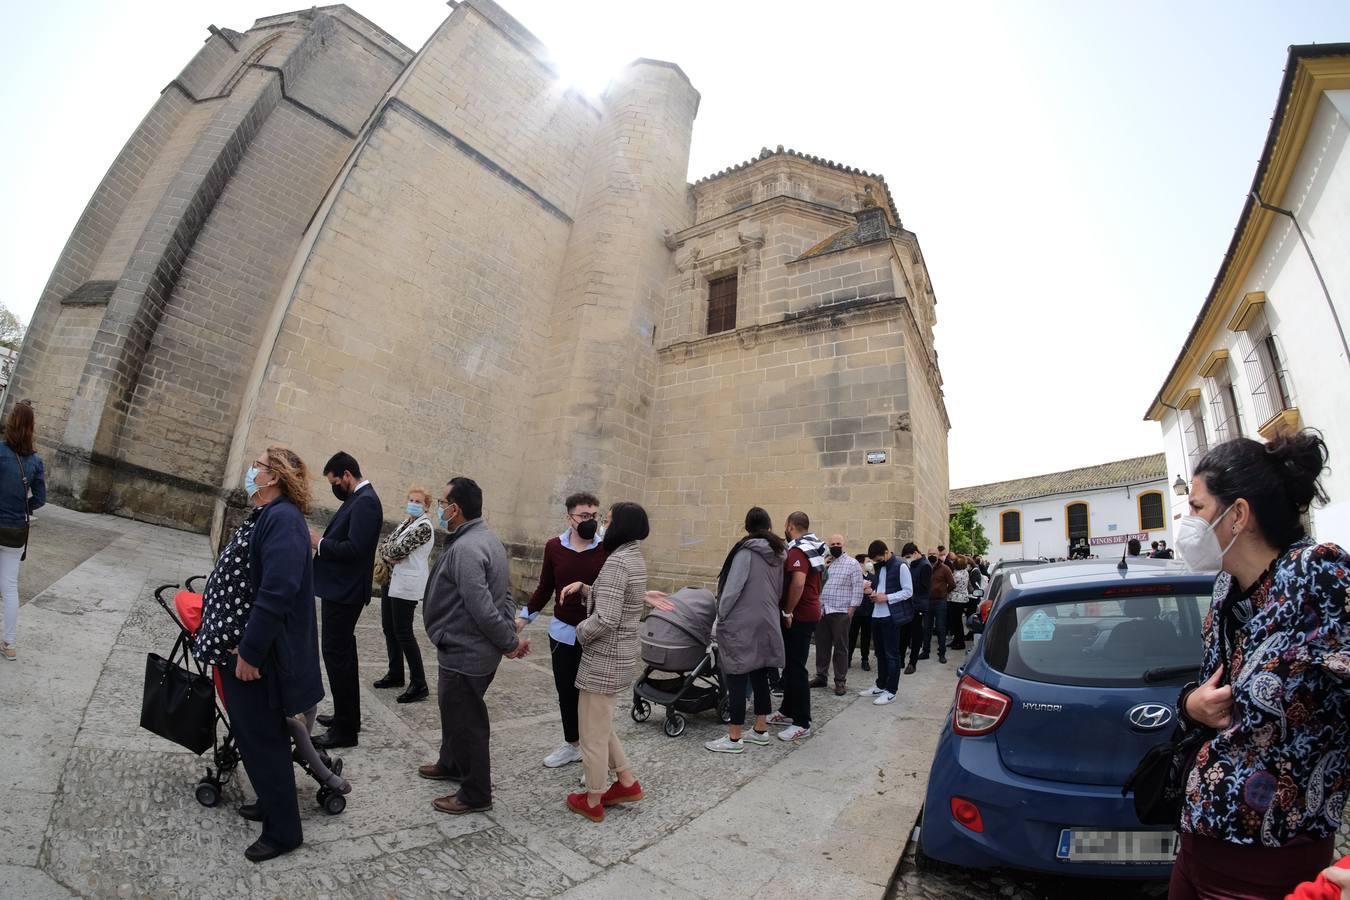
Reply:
x=1010, y=527
x=1152, y=516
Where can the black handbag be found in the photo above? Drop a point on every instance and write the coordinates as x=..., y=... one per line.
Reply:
x=178, y=704
x=1159, y=781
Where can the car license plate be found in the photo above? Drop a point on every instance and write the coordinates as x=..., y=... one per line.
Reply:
x=1118, y=847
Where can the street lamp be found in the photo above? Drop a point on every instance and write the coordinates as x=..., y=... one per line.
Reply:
x=1180, y=487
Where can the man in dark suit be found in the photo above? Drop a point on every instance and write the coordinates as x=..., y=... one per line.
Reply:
x=344, y=568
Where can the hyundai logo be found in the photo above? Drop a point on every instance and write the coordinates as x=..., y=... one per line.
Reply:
x=1149, y=716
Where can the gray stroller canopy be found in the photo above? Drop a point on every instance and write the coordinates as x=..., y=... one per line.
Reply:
x=694, y=614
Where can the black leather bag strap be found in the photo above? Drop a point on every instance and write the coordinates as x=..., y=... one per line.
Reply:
x=23, y=476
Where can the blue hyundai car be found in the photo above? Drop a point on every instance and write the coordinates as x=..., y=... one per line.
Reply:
x=1075, y=679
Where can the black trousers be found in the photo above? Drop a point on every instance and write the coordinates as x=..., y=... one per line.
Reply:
x=465, y=734
x=339, y=659
x=860, y=629
x=396, y=617
x=888, y=654
x=566, y=661
x=737, y=685
x=935, y=621
x=911, y=637
x=265, y=746
x=796, y=684
x=956, y=623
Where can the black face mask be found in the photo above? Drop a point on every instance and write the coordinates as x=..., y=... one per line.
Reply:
x=587, y=529
x=836, y=552
x=932, y=560
x=341, y=492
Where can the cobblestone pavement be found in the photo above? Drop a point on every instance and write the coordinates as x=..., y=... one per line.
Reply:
x=957, y=884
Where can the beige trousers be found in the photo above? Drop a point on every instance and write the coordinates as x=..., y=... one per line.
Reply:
x=600, y=747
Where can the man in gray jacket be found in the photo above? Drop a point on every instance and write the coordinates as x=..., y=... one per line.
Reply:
x=469, y=616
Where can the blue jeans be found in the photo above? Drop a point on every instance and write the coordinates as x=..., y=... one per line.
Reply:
x=886, y=639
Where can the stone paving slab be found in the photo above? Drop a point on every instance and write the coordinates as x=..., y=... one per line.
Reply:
x=101, y=808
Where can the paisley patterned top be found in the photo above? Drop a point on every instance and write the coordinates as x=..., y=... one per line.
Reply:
x=1281, y=770
x=227, y=599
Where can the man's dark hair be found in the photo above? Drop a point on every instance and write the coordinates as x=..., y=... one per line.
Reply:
x=342, y=461
x=627, y=522
x=860, y=557
x=941, y=549
x=1133, y=548
x=467, y=495
x=581, y=498
x=800, y=520
x=1154, y=545
x=909, y=548
x=876, y=549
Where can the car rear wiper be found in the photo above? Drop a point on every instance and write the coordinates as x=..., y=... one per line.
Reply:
x=1167, y=673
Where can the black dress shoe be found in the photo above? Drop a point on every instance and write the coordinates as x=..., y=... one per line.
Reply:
x=331, y=739
x=251, y=811
x=259, y=852
x=923, y=656
x=942, y=658
x=909, y=669
x=326, y=720
x=389, y=681
x=866, y=667
x=413, y=694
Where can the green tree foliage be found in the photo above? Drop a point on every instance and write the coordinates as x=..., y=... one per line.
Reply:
x=966, y=534
x=11, y=328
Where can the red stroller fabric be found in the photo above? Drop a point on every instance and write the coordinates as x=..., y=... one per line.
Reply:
x=189, y=606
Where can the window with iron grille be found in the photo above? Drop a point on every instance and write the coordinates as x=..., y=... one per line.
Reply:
x=1076, y=519
x=1271, y=393
x=1224, y=404
x=722, y=304
x=1010, y=527
x=1151, y=514
x=1197, y=442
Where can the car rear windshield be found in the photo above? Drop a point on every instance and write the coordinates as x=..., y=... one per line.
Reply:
x=1107, y=641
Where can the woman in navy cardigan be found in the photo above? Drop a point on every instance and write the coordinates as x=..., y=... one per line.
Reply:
x=276, y=668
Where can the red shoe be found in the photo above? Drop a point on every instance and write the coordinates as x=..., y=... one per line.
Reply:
x=580, y=803
x=617, y=794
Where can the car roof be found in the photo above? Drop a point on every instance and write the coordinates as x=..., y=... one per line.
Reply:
x=1082, y=573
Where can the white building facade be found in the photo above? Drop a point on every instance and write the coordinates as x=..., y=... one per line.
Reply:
x=1048, y=515
x=1268, y=350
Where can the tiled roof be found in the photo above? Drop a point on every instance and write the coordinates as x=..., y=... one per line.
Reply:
x=1125, y=471
x=766, y=153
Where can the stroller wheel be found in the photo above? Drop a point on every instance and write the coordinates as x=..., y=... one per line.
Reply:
x=674, y=726
x=208, y=793
x=641, y=711
x=724, y=710
x=334, y=803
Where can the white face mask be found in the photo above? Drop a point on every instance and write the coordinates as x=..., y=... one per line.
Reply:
x=1198, y=545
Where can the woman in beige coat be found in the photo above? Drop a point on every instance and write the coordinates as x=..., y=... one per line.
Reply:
x=609, y=651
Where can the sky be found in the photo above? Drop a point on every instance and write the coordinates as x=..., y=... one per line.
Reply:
x=1074, y=170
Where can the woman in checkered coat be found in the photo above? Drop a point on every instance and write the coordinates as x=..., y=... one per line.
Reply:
x=609, y=651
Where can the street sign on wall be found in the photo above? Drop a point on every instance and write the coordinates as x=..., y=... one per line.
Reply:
x=1117, y=538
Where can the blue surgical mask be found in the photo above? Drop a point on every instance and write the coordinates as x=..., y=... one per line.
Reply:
x=440, y=517
x=415, y=510
x=251, y=481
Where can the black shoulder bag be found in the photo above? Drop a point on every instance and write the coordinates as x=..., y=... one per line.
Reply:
x=178, y=704
x=1159, y=781
x=18, y=537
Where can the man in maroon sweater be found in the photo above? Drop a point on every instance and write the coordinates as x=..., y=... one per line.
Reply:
x=575, y=555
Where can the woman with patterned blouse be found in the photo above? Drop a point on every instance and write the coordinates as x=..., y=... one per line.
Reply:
x=1266, y=793
x=609, y=651
x=407, y=553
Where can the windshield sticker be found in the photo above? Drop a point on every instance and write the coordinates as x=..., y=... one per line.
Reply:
x=1038, y=627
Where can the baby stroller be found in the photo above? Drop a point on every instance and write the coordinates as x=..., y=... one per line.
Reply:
x=325, y=770
x=678, y=644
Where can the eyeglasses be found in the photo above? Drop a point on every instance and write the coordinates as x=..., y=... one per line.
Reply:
x=444, y=504
x=584, y=517
x=262, y=465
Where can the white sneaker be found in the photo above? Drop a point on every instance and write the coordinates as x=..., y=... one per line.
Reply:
x=725, y=744
x=794, y=733
x=873, y=691
x=778, y=719
x=886, y=697
x=562, y=756
x=751, y=736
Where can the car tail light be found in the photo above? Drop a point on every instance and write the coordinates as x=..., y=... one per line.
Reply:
x=967, y=814
x=985, y=606
x=979, y=709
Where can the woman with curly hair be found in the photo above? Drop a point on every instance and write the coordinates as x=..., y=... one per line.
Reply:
x=1267, y=790
x=259, y=629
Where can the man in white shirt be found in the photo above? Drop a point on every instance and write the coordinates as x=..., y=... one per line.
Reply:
x=842, y=594
x=889, y=591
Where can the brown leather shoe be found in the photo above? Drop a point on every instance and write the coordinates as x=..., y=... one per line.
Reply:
x=839, y=689
x=817, y=682
x=436, y=772
x=455, y=807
